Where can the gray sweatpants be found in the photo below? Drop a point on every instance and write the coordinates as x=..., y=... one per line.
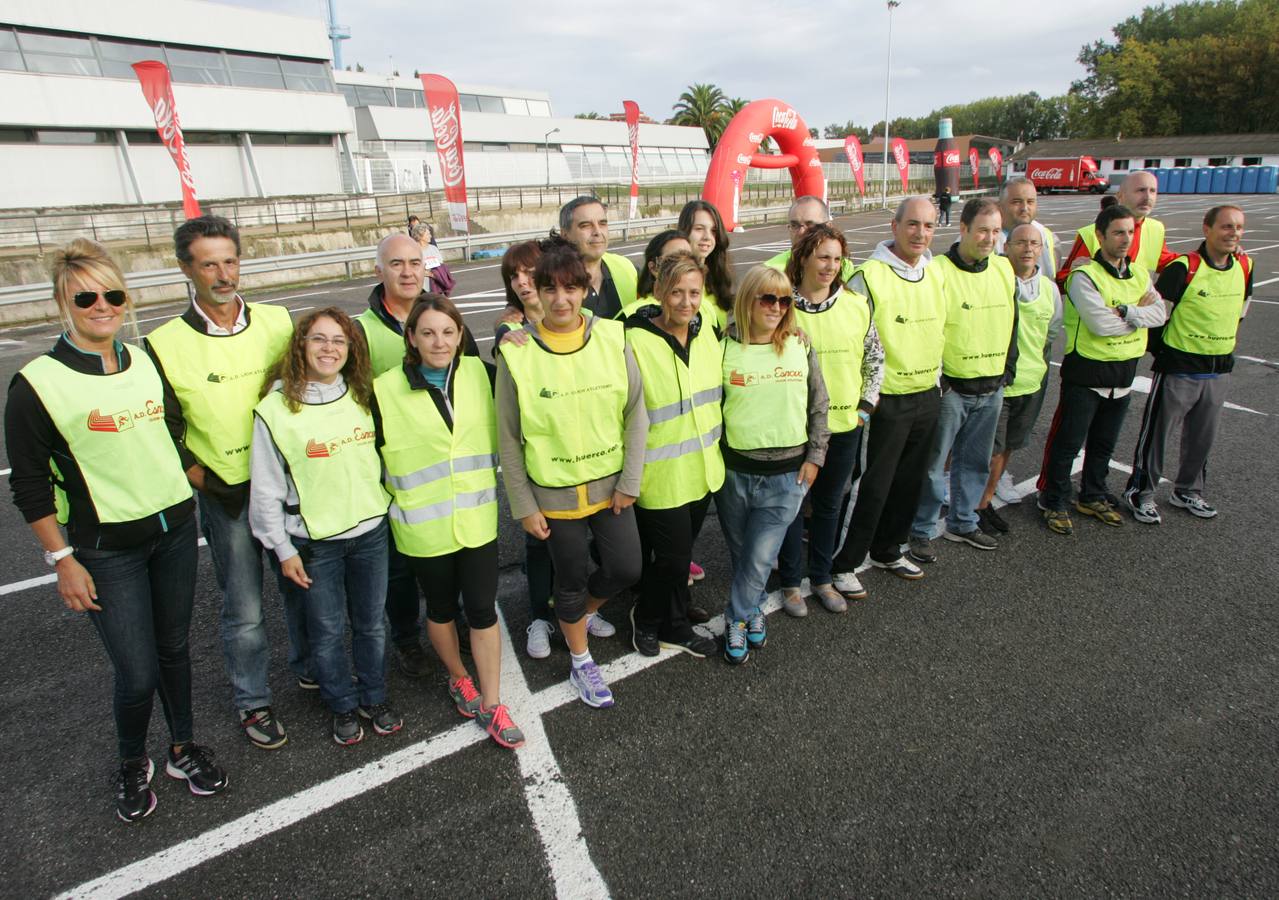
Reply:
x=1192, y=405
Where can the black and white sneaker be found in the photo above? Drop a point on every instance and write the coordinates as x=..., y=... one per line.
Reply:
x=975, y=538
x=347, y=729
x=382, y=717
x=1193, y=504
x=262, y=728
x=195, y=765
x=134, y=798
x=1144, y=511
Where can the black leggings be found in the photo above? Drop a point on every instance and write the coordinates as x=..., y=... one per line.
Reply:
x=472, y=572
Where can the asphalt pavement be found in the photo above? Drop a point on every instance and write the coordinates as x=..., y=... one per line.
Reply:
x=1066, y=716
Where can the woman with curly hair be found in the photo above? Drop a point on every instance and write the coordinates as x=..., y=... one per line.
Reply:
x=700, y=222
x=316, y=500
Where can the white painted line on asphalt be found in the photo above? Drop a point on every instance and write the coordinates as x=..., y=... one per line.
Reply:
x=4, y=472
x=1267, y=281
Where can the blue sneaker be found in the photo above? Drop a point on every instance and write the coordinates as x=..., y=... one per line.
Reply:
x=736, y=647
x=756, y=633
x=589, y=683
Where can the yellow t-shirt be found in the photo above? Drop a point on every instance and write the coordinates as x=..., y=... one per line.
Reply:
x=568, y=342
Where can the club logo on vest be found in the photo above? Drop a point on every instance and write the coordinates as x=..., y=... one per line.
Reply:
x=216, y=378
x=317, y=449
x=116, y=422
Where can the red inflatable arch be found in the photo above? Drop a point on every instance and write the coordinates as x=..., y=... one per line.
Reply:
x=737, y=151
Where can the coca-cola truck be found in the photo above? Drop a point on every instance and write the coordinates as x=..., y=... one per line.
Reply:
x=1078, y=173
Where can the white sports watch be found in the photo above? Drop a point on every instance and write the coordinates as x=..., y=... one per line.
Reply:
x=52, y=557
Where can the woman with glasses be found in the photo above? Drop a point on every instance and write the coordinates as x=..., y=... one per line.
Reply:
x=774, y=443
x=81, y=422
x=316, y=500
x=838, y=322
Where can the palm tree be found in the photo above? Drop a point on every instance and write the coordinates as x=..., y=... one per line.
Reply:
x=703, y=106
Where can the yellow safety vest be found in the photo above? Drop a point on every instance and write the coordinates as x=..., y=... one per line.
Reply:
x=765, y=395
x=1152, y=242
x=114, y=428
x=1116, y=292
x=443, y=482
x=1206, y=318
x=625, y=277
x=386, y=347
x=217, y=379
x=910, y=317
x=682, y=460
x=332, y=458
x=979, y=318
x=838, y=334
x=1033, y=319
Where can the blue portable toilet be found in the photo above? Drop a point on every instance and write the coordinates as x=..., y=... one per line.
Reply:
x=1267, y=180
x=1250, y=174
x=1220, y=178
x=1234, y=183
x=1175, y=177
x=1161, y=179
x=1203, y=180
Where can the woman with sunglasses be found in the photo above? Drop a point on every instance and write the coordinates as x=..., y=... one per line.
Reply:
x=571, y=429
x=700, y=222
x=678, y=354
x=774, y=443
x=663, y=244
x=838, y=322
x=316, y=501
x=439, y=448
x=81, y=421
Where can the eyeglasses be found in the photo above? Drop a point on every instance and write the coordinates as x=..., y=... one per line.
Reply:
x=321, y=340
x=774, y=300
x=86, y=299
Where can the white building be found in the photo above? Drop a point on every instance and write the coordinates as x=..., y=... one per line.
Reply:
x=263, y=114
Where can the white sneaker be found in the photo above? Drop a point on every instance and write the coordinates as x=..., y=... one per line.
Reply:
x=848, y=584
x=598, y=626
x=539, y=638
x=1006, y=490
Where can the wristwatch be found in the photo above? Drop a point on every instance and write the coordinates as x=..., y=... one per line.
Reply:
x=52, y=557
x=1122, y=310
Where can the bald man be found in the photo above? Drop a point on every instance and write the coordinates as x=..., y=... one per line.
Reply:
x=1138, y=192
x=1019, y=205
x=400, y=274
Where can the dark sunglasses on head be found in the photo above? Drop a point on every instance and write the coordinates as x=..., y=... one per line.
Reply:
x=86, y=299
x=774, y=300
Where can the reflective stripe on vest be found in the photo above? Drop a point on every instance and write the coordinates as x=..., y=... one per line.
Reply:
x=682, y=460
x=1206, y=318
x=838, y=334
x=979, y=318
x=332, y=458
x=910, y=317
x=1033, y=319
x=571, y=406
x=114, y=428
x=386, y=347
x=443, y=482
x=625, y=277
x=217, y=379
x=1150, y=241
x=765, y=395
x=1115, y=292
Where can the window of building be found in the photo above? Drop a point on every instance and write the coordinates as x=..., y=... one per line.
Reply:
x=255, y=71
x=368, y=95
x=469, y=102
x=1219, y=160
x=1152, y=163
x=17, y=136
x=301, y=75
x=1019, y=167
x=59, y=55
x=1182, y=162
x=409, y=99
x=267, y=139
x=117, y=57
x=348, y=91
x=492, y=105
x=539, y=108
x=1121, y=165
x=515, y=106
x=197, y=66
x=150, y=136
x=211, y=137
x=1251, y=161
x=10, y=56
x=72, y=136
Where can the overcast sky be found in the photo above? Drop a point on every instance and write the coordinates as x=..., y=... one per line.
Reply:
x=826, y=59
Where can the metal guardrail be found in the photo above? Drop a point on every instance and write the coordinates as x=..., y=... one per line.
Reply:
x=27, y=293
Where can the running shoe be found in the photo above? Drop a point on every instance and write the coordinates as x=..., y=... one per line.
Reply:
x=134, y=798
x=736, y=645
x=1006, y=490
x=465, y=696
x=756, y=629
x=194, y=765
x=901, y=567
x=539, y=638
x=848, y=584
x=1057, y=520
x=991, y=522
x=600, y=627
x=975, y=538
x=695, y=573
x=262, y=728
x=921, y=549
x=1102, y=510
x=592, y=689
x=347, y=729
x=497, y=722
x=1193, y=504
x=1144, y=511
x=382, y=717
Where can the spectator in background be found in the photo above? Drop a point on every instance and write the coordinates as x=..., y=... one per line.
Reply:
x=439, y=278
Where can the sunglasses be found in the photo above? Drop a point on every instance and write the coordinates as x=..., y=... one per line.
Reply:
x=774, y=300
x=86, y=299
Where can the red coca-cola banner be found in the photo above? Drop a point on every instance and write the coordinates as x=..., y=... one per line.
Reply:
x=901, y=156
x=997, y=160
x=446, y=123
x=853, y=147
x=974, y=163
x=632, y=131
x=158, y=90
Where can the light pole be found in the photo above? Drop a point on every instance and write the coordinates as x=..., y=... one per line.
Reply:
x=888, y=80
x=546, y=143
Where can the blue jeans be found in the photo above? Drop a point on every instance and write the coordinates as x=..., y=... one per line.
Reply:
x=966, y=434
x=146, y=594
x=347, y=577
x=827, y=499
x=754, y=513
x=237, y=563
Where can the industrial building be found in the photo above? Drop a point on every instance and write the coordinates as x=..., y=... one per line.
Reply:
x=1117, y=157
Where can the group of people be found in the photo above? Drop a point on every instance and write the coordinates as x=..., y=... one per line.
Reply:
x=359, y=457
